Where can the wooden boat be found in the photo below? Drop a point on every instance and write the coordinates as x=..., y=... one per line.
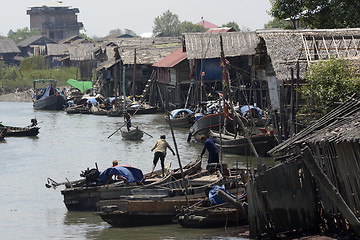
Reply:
x=240, y=145
x=81, y=196
x=181, y=118
x=197, y=183
x=48, y=98
x=214, y=216
x=138, y=212
x=21, y=131
x=148, y=208
x=133, y=134
x=30, y=130
x=204, y=124
x=214, y=211
x=141, y=109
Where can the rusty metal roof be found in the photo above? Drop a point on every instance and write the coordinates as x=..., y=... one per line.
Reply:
x=172, y=59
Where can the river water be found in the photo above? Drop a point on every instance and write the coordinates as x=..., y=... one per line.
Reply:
x=67, y=145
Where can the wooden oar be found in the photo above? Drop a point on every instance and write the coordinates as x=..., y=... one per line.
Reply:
x=144, y=132
x=116, y=131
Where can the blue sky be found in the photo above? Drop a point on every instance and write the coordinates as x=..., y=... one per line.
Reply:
x=99, y=17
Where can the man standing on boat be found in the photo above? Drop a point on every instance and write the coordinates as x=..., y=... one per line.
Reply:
x=160, y=152
x=209, y=144
x=127, y=119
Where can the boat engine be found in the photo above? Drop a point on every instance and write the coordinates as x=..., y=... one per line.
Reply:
x=91, y=176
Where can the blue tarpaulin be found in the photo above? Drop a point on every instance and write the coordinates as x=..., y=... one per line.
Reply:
x=214, y=198
x=47, y=92
x=128, y=173
x=175, y=112
x=245, y=109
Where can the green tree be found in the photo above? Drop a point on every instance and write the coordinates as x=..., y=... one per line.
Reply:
x=188, y=27
x=233, y=25
x=277, y=23
x=22, y=34
x=115, y=32
x=318, y=13
x=167, y=25
x=328, y=82
x=33, y=63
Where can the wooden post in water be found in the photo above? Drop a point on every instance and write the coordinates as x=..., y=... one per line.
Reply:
x=331, y=190
x=178, y=157
x=134, y=76
x=236, y=115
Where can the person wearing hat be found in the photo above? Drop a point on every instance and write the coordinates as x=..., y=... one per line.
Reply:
x=160, y=153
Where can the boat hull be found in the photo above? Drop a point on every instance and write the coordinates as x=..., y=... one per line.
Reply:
x=52, y=102
x=134, y=134
x=241, y=146
x=21, y=132
x=121, y=213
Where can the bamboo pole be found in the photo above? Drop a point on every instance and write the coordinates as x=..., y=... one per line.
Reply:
x=236, y=115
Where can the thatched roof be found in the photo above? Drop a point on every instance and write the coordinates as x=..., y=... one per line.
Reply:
x=76, y=51
x=207, y=45
x=148, y=50
x=8, y=46
x=340, y=125
x=36, y=39
x=286, y=47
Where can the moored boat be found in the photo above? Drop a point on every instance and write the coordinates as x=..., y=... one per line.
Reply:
x=239, y=144
x=82, y=195
x=48, y=98
x=181, y=117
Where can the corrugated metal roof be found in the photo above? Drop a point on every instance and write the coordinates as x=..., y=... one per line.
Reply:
x=172, y=59
x=207, y=45
x=8, y=46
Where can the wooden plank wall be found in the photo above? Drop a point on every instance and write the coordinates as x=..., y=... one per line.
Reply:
x=282, y=199
x=341, y=163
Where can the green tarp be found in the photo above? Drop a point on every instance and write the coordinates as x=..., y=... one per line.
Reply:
x=81, y=85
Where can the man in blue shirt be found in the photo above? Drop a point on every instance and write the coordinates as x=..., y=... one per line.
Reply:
x=209, y=144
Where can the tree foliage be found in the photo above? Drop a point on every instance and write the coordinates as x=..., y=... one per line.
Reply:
x=167, y=25
x=115, y=32
x=189, y=27
x=329, y=82
x=233, y=25
x=318, y=13
x=277, y=23
x=22, y=34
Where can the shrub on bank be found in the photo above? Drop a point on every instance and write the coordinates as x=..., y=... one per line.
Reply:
x=21, y=78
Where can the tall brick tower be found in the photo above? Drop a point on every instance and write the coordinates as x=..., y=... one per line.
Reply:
x=54, y=20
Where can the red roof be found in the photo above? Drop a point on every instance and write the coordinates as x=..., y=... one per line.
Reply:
x=207, y=25
x=172, y=59
x=220, y=30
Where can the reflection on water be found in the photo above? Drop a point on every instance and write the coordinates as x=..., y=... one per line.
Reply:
x=67, y=145
x=95, y=229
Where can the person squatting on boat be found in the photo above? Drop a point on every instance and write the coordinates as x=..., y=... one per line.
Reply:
x=160, y=152
x=127, y=119
x=209, y=144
